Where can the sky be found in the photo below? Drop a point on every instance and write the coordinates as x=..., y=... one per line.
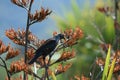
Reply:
x=15, y=17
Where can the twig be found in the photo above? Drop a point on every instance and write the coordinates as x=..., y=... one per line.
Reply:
x=116, y=8
x=26, y=36
x=46, y=70
x=33, y=22
x=22, y=6
x=117, y=27
x=93, y=72
x=27, y=30
x=5, y=66
x=99, y=75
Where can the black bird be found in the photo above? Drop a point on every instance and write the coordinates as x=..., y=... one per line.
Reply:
x=47, y=47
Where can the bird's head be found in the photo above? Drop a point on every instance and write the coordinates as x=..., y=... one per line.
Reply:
x=61, y=36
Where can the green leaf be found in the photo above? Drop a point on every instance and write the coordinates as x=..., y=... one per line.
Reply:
x=109, y=30
x=53, y=76
x=111, y=69
x=107, y=62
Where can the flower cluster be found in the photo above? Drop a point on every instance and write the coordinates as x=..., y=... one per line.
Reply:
x=18, y=37
x=12, y=53
x=77, y=77
x=3, y=47
x=104, y=47
x=34, y=40
x=106, y=10
x=100, y=61
x=41, y=61
x=73, y=35
x=38, y=42
x=55, y=33
x=117, y=64
x=30, y=53
x=60, y=69
x=18, y=66
x=38, y=16
x=116, y=55
x=66, y=55
x=21, y=3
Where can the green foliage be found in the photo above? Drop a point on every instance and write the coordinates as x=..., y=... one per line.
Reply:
x=111, y=70
x=3, y=75
x=109, y=33
x=97, y=28
x=53, y=76
x=92, y=22
x=106, y=67
x=108, y=75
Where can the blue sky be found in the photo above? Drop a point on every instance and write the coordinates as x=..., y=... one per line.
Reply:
x=14, y=16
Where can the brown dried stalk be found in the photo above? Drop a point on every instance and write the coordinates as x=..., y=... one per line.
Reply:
x=22, y=3
x=26, y=35
x=38, y=16
x=66, y=55
x=12, y=53
x=60, y=69
x=3, y=47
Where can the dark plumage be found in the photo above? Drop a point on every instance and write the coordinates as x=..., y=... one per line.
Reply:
x=47, y=47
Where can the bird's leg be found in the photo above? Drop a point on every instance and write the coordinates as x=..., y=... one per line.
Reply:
x=46, y=70
x=50, y=56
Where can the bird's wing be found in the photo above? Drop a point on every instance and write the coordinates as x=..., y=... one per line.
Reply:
x=47, y=47
x=44, y=49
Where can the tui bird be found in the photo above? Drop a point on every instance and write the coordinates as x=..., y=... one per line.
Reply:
x=47, y=47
